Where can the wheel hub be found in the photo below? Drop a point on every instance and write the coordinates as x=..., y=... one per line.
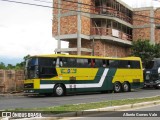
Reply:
x=59, y=91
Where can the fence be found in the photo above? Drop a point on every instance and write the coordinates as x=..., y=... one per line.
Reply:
x=11, y=80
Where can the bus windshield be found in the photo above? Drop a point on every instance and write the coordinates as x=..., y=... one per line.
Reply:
x=31, y=68
x=40, y=68
x=153, y=64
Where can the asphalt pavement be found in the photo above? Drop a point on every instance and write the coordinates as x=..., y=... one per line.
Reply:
x=19, y=101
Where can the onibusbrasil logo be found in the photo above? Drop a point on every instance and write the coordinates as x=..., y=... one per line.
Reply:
x=21, y=114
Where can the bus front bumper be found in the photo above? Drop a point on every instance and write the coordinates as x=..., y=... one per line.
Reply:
x=30, y=92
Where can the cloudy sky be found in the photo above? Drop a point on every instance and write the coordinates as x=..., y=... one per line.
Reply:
x=26, y=29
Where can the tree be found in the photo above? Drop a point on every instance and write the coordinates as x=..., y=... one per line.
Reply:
x=2, y=65
x=22, y=64
x=157, y=50
x=10, y=66
x=18, y=66
x=145, y=50
x=24, y=60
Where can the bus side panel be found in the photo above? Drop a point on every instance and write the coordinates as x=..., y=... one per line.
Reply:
x=109, y=79
x=133, y=76
x=86, y=78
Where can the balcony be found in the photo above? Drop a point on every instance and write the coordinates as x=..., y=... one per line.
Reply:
x=112, y=12
x=101, y=31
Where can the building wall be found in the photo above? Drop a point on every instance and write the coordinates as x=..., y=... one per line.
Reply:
x=67, y=6
x=68, y=25
x=140, y=19
x=141, y=33
x=139, y=22
x=145, y=26
x=103, y=48
x=86, y=25
x=157, y=21
x=55, y=26
x=157, y=36
x=87, y=5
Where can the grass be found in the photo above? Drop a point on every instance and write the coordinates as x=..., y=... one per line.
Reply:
x=87, y=106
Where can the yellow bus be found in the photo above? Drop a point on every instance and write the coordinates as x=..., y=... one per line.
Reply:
x=60, y=74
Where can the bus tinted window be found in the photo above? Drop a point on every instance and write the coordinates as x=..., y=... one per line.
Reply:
x=123, y=64
x=67, y=62
x=135, y=64
x=83, y=63
x=113, y=63
x=158, y=63
x=47, y=67
x=47, y=61
x=99, y=63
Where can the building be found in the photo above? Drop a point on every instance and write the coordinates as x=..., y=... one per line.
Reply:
x=146, y=24
x=102, y=27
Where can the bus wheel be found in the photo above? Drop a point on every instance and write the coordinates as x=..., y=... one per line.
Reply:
x=117, y=87
x=59, y=90
x=126, y=87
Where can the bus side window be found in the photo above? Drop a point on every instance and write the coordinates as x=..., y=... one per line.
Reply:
x=82, y=63
x=123, y=64
x=104, y=63
x=92, y=63
x=71, y=62
x=129, y=64
x=135, y=64
x=60, y=62
x=99, y=63
x=107, y=62
x=54, y=62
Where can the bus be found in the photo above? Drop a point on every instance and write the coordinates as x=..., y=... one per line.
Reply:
x=152, y=74
x=60, y=74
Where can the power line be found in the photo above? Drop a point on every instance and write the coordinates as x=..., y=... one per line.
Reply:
x=27, y=3
x=38, y=5
x=108, y=9
x=42, y=1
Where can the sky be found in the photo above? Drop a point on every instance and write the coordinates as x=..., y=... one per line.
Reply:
x=26, y=29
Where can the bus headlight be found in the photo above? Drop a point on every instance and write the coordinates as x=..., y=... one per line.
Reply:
x=147, y=77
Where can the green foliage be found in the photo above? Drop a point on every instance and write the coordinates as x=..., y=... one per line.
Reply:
x=2, y=65
x=145, y=50
x=157, y=50
x=18, y=66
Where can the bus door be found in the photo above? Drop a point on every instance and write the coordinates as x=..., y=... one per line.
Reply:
x=69, y=70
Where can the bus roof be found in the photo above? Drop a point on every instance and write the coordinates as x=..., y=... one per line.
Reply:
x=85, y=56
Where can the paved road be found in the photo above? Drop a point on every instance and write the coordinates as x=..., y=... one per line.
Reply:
x=145, y=111
x=32, y=102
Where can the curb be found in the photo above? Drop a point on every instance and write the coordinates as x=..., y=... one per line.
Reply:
x=12, y=95
x=96, y=111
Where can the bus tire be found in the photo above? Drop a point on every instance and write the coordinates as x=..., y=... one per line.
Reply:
x=126, y=87
x=59, y=90
x=117, y=87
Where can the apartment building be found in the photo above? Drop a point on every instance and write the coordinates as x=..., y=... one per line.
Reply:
x=102, y=27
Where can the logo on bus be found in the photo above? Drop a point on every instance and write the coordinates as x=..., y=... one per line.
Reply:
x=68, y=71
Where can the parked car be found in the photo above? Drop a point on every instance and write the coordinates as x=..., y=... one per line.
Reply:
x=152, y=74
